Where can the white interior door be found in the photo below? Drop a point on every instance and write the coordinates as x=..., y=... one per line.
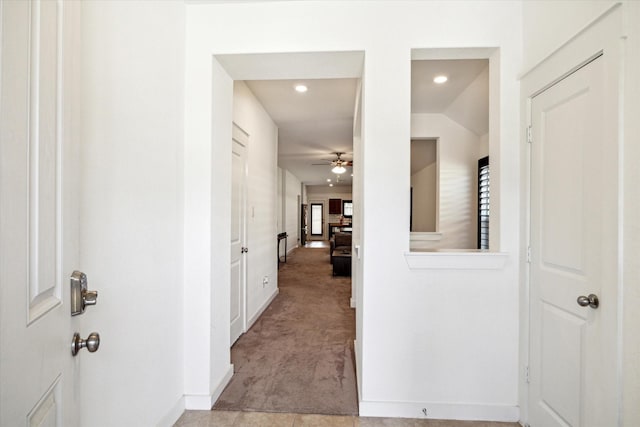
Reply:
x=573, y=222
x=238, y=232
x=38, y=211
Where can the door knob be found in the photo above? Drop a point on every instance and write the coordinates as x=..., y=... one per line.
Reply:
x=589, y=301
x=92, y=343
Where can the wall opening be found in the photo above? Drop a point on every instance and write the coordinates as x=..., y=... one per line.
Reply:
x=450, y=104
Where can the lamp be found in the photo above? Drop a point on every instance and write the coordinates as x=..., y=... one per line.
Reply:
x=338, y=169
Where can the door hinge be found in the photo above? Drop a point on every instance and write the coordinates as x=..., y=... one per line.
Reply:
x=529, y=135
x=526, y=374
x=529, y=254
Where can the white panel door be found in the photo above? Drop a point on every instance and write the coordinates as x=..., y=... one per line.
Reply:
x=38, y=211
x=238, y=232
x=573, y=193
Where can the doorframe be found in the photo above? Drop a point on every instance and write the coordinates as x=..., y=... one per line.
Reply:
x=321, y=236
x=602, y=34
x=207, y=198
x=242, y=137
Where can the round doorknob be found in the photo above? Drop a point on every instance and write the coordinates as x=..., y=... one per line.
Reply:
x=588, y=301
x=92, y=343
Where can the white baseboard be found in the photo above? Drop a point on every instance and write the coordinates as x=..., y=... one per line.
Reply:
x=262, y=308
x=205, y=401
x=198, y=402
x=442, y=411
x=172, y=416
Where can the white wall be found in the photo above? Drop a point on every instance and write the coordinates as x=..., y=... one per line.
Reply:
x=483, y=147
x=357, y=221
x=631, y=215
x=424, y=184
x=565, y=17
x=262, y=197
x=207, y=225
x=423, y=338
x=568, y=18
x=292, y=200
x=289, y=199
x=474, y=119
x=280, y=216
x=131, y=210
x=458, y=165
x=304, y=193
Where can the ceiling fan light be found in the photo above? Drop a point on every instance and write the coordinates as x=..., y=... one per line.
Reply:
x=338, y=169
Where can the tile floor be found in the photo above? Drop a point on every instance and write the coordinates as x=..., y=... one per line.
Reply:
x=316, y=244
x=265, y=419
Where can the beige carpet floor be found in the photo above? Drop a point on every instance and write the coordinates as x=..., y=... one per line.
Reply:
x=298, y=356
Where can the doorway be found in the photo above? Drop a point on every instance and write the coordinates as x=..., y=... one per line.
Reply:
x=271, y=214
x=208, y=205
x=303, y=224
x=317, y=220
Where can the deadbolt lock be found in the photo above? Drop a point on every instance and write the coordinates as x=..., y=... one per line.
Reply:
x=80, y=296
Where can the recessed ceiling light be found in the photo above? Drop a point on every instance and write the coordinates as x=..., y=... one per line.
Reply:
x=330, y=185
x=440, y=79
x=328, y=179
x=301, y=88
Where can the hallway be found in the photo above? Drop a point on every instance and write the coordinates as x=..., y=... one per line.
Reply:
x=294, y=367
x=298, y=356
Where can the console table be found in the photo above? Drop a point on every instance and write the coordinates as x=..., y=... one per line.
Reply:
x=281, y=237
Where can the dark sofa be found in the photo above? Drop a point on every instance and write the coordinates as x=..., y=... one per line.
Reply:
x=340, y=242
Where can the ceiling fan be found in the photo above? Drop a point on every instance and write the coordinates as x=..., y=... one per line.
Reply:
x=338, y=163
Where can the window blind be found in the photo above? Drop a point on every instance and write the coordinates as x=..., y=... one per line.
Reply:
x=484, y=192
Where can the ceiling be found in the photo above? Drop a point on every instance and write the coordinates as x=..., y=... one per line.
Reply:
x=312, y=126
x=429, y=97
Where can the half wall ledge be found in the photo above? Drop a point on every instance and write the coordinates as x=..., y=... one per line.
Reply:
x=455, y=259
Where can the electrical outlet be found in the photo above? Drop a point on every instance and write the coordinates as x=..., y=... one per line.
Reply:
x=265, y=281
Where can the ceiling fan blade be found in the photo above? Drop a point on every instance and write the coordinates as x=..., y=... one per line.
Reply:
x=335, y=162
